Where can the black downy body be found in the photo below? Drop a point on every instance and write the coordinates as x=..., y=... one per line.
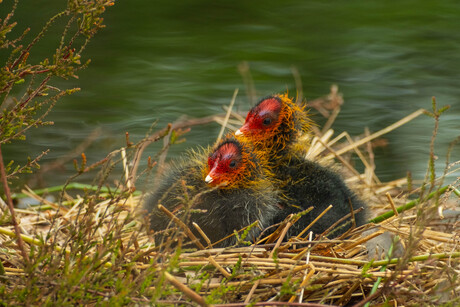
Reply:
x=307, y=184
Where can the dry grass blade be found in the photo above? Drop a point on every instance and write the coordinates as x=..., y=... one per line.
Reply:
x=184, y=227
x=186, y=290
x=227, y=116
x=375, y=135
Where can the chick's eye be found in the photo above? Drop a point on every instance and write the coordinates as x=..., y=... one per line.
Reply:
x=232, y=164
x=267, y=121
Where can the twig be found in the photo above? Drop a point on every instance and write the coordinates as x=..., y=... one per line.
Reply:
x=129, y=183
x=278, y=243
x=238, y=231
x=379, y=133
x=251, y=292
x=331, y=119
x=219, y=267
x=161, y=133
x=365, y=239
x=306, y=277
x=9, y=202
x=340, y=221
x=392, y=203
x=201, y=232
x=280, y=239
x=314, y=221
x=29, y=164
x=186, y=290
x=71, y=154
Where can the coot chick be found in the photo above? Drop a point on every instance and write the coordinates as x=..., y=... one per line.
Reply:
x=222, y=189
x=274, y=126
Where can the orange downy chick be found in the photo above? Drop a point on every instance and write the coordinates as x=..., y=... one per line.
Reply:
x=222, y=189
x=274, y=126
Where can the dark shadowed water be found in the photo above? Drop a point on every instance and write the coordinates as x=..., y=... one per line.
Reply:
x=159, y=60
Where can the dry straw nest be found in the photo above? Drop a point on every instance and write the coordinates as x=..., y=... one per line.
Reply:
x=95, y=248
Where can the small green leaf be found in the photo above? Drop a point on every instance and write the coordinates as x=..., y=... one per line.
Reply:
x=173, y=137
x=444, y=108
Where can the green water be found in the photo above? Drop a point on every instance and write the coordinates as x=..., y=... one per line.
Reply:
x=159, y=60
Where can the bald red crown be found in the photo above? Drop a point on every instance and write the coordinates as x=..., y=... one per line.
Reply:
x=225, y=164
x=263, y=118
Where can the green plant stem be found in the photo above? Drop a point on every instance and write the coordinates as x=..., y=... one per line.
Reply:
x=382, y=269
x=389, y=261
x=73, y=185
x=36, y=242
x=25, y=238
x=418, y=258
x=456, y=192
x=2, y=269
x=9, y=201
x=408, y=205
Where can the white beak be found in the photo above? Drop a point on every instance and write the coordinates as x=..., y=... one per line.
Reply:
x=208, y=179
x=238, y=132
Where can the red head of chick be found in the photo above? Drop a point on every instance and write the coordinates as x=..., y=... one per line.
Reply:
x=230, y=166
x=221, y=189
x=274, y=124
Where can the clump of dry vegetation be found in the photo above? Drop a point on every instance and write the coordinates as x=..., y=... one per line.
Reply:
x=96, y=247
x=92, y=245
